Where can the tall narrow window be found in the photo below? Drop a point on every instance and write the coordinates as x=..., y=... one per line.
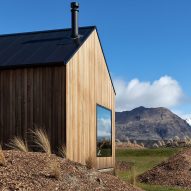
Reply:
x=104, y=132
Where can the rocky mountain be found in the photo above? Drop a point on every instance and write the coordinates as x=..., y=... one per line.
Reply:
x=150, y=124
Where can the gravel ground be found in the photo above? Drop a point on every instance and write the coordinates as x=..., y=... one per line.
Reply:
x=41, y=172
x=174, y=172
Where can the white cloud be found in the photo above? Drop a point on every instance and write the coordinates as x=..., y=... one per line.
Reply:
x=165, y=92
x=104, y=129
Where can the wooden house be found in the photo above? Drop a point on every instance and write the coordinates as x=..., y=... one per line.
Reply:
x=59, y=80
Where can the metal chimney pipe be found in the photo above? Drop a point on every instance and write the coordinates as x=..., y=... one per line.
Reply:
x=74, y=10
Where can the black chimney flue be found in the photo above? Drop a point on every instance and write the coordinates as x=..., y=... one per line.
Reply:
x=74, y=10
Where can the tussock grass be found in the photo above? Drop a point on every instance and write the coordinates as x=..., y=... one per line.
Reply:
x=18, y=144
x=62, y=151
x=2, y=157
x=89, y=163
x=133, y=175
x=42, y=140
x=55, y=170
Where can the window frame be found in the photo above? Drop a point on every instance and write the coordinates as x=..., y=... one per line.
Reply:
x=98, y=105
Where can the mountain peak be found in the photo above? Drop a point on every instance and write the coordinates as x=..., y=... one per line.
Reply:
x=141, y=107
x=150, y=124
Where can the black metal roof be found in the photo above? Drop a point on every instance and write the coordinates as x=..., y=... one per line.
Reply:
x=38, y=48
x=41, y=48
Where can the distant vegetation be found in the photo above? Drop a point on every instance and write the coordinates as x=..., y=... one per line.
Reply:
x=172, y=142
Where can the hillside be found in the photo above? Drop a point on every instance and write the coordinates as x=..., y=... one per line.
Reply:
x=173, y=172
x=43, y=172
x=150, y=124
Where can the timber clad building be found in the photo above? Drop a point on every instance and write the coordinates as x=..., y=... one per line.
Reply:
x=58, y=80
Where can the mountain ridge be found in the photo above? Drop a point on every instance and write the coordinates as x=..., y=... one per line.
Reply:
x=150, y=124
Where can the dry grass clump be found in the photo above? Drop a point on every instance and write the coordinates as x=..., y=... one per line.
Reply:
x=18, y=144
x=62, y=151
x=2, y=157
x=176, y=139
x=160, y=144
x=142, y=145
x=42, y=140
x=55, y=170
x=163, y=143
x=133, y=175
x=155, y=145
x=176, y=144
x=89, y=163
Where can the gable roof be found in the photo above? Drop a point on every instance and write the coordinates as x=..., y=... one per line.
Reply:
x=38, y=48
x=49, y=47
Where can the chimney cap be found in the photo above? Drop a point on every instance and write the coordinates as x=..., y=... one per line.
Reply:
x=75, y=5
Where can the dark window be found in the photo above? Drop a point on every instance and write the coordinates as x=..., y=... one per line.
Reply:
x=104, y=132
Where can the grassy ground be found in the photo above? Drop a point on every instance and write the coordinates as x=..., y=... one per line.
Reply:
x=143, y=160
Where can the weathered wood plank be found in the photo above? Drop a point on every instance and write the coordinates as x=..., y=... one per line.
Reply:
x=88, y=84
x=33, y=97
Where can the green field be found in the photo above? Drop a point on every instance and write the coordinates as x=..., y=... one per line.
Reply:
x=143, y=160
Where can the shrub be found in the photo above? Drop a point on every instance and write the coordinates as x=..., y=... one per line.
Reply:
x=2, y=157
x=89, y=163
x=160, y=144
x=176, y=144
x=42, y=140
x=155, y=145
x=176, y=139
x=187, y=140
x=168, y=142
x=142, y=144
x=163, y=143
x=129, y=143
x=19, y=144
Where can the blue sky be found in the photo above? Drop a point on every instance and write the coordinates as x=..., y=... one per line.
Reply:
x=143, y=39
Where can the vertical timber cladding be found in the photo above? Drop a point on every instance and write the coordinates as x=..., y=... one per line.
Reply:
x=88, y=83
x=33, y=97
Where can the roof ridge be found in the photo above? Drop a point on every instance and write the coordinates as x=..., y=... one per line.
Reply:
x=43, y=31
